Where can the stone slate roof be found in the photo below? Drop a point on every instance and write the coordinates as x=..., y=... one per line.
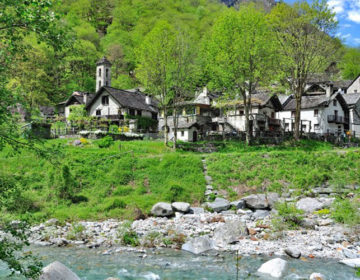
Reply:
x=103, y=60
x=78, y=97
x=133, y=100
x=47, y=111
x=183, y=124
x=342, y=84
x=325, y=78
x=308, y=102
x=352, y=98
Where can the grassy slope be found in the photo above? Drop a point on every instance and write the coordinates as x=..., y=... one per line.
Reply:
x=114, y=186
x=237, y=170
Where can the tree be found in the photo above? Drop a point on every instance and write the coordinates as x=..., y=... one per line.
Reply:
x=350, y=64
x=239, y=55
x=303, y=32
x=155, y=66
x=18, y=19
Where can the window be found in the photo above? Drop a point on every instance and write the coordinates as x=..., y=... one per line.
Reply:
x=273, y=115
x=316, y=126
x=182, y=133
x=303, y=127
x=154, y=116
x=105, y=100
x=99, y=72
x=316, y=113
x=241, y=113
x=107, y=73
x=98, y=112
x=286, y=126
x=334, y=102
x=138, y=112
x=131, y=112
x=293, y=114
x=106, y=83
x=99, y=84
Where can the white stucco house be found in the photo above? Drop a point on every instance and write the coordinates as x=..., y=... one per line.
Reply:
x=353, y=102
x=322, y=114
x=354, y=86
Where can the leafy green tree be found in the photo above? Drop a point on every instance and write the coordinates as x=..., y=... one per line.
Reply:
x=303, y=32
x=155, y=65
x=350, y=63
x=240, y=54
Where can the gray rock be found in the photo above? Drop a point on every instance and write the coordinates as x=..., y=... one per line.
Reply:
x=350, y=254
x=317, y=276
x=230, y=232
x=239, y=204
x=208, y=192
x=77, y=142
x=57, y=271
x=209, y=187
x=327, y=202
x=198, y=245
x=261, y=214
x=182, y=207
x=196, y=210
x=351, y=262
x=208, y=179
x=272, y=198
x=256, y=201
x=293, y=252
x=219, y=204
x=309, y=204
x=275, y=267
x=162, y=209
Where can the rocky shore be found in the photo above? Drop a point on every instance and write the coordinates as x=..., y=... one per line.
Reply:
x=197, y=231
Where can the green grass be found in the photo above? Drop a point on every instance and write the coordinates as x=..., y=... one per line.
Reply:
x=109, y=182
x=95, y=183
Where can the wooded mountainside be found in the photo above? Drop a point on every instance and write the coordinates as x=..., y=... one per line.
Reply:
x=115, y=28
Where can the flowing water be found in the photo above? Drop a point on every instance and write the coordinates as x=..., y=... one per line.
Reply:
x=171, y=264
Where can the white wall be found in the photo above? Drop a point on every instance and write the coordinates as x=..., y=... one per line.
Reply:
x=307, y=116
x=111, y=109
x=188, y=134
x=355, y=87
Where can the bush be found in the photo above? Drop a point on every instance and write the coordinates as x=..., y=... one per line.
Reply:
x=345, y=212
x=116, y=204
x=66, y=184
x=290, y=214
x=175, y=192
x=105, y=142
x=84, y=141
x=114, y=128
x=127, y=236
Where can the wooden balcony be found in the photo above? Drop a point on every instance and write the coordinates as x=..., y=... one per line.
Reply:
x=274, y=122
x=337, y=119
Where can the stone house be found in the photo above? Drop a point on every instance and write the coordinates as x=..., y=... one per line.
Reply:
x=353, y=102
x=354, y=86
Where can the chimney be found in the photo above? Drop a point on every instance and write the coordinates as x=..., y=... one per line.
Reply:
x=147, y=99
x=85, y=97
x=329, y=90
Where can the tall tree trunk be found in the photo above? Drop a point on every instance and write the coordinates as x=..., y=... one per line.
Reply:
x=298, y=95
x=166, y=132
x=247, y=120
x=175, y=119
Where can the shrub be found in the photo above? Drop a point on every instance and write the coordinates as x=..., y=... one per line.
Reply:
x=105, y=142
x=66, y=184
x=322, y=212
x=117, y=203
x=289, y=214
x=175, y=192
x=126, y=235
x=345, y=212
x=113, y=128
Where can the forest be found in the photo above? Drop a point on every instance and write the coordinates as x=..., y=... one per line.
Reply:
x=44, y=75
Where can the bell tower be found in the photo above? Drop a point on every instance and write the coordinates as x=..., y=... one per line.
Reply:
x=103, y=73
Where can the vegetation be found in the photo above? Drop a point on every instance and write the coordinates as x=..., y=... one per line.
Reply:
x=346, y=212
x=99, y=183
x=289, y=214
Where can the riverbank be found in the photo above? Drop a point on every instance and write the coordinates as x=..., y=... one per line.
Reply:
x=245, y=231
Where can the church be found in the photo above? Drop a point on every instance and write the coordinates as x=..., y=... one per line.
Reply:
x=111, y=103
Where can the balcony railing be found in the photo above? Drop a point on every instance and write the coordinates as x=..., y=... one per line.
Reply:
x=337, y=119
x=109, y=117
x=274, y=121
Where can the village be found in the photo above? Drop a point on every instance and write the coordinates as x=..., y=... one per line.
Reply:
x=328, y=108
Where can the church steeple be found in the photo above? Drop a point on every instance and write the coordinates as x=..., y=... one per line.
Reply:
x=103, y=73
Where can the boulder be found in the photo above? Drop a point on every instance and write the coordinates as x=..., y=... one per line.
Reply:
x=198, y=245
x=182, y=207
x=196, y=210
x=309, y=204
x=219, y=204
x=52, y=222
x=351, y=262
x=308, y=223
x=275, y=267
x=238, y=204
x=272, y=199
x=349, y=254
x=256, y=201
x=261, y=214
x=57, y=271
x=317, y=276
x=293, y=252
x=162, y=209
x=230, y=232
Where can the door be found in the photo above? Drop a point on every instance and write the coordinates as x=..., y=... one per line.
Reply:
x=194, y=136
